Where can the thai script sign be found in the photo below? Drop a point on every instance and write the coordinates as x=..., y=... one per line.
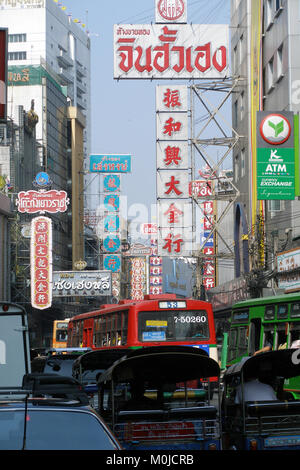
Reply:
x=171, y=51
x=81, y=283
x=41, y=262
x=147, y=229
x=110, y=163
x=275, y=155
x=51, y=201
x=23, y=3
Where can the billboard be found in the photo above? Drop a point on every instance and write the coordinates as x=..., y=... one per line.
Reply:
x=81, y=283
x=171, y=51
x=110, y=163
x=275, y=155
x=3, y=73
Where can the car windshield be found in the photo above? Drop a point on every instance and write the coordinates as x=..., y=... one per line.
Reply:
x=53, y=430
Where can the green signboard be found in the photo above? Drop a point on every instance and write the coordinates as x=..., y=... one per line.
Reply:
x=275, y=173
x=275, y=156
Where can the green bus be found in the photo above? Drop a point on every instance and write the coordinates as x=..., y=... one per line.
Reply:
x=255, y=323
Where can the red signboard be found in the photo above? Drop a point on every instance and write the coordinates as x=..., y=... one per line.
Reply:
x=52, y=201
x=41, y=262
x=148, y=228
x=3, y=73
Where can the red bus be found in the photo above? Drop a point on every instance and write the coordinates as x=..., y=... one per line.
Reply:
x=157, y=320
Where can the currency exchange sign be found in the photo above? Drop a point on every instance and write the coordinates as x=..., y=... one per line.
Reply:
x=275, y=156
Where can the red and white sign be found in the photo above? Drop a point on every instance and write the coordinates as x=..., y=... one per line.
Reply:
x=51, y=201
x=155, y=290
x=147, y=229
x=172, y=155
x=41, y=262
x=171, y=11
x=172, y=51
x=138, y=278
x=200, y=188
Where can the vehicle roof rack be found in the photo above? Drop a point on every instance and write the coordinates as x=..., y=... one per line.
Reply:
x=54, y=386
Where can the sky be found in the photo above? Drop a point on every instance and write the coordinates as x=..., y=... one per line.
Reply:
x=123, y=112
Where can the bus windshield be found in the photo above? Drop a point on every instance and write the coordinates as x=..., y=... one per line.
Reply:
x=182, y=325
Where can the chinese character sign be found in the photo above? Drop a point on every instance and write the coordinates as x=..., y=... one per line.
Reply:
x=41, y=262
x=137, y=278
x=172, y=51
x=173, y=171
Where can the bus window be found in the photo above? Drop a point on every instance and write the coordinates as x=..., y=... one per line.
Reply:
x=281, y=336
x=254, y=335
x=295, y=310
x=282, y=311
x=242, y=341
x=270, y=312
x=232, y=343
x=268, y=337
x=294, y=337
x=124, y=328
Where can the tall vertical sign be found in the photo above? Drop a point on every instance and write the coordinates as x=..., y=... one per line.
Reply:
x=173, y=174
x=41, y=262
x=3, y=73
x=275, y=155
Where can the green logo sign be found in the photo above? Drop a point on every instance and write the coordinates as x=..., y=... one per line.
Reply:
x=275, y=129
x=275, y=173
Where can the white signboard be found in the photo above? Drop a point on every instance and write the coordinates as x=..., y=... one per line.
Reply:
x=172, y=155
x=172, y=51
x=175, y=242
x=171, y=11
x=81, y=283
x=175, y=213
x=171, y=98
x=287, y=267
x=172, y=126
x=173, y=184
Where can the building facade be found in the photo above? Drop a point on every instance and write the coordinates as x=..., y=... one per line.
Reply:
x=265, y=39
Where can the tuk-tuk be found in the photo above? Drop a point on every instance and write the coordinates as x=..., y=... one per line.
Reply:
x=146, y=399
x=257, y=424
x=89, y=366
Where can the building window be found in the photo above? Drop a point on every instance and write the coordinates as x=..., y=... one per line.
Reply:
x=242, y=105
x=241, y=48
x=235, y=114
x=234, y=60
x=17, y=37
x=270, y=74
x=278, y=7
x=243, y=170
x=268, y=14
x=276, y=205
x=17, y=55
x=236, y=168
x=279, y=63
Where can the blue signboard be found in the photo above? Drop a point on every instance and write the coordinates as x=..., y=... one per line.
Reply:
x=112, y=263
x=112, y=183
x=154, y=336
x=111, y=243
x=112, y=202
x=110, y=163
x=111, y=223
x=210, y=240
